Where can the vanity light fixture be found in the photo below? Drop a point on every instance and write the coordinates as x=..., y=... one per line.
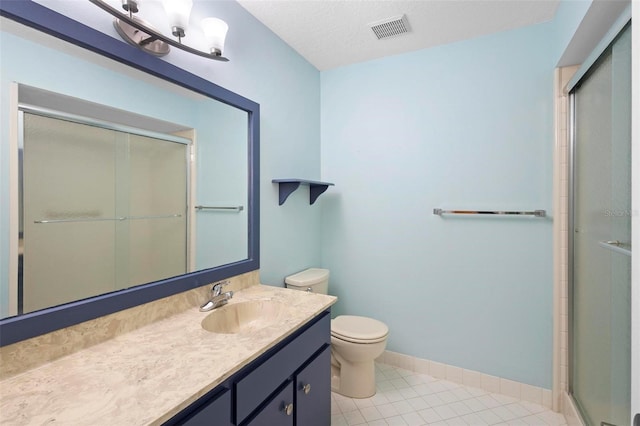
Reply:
x=140, y=33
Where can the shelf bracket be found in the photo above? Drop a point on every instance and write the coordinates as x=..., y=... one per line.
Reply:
x=287, y=186
x=285, y=189
x=315, y=190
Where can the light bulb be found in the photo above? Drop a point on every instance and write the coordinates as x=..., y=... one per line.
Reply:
x=215, y=32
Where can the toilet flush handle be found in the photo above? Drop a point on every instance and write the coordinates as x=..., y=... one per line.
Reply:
x=309, y=290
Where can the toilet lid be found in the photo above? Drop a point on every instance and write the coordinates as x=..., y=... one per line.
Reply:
x=350, y=327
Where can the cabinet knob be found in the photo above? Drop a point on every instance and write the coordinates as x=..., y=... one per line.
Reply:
x=288, y=409
x=306, y=388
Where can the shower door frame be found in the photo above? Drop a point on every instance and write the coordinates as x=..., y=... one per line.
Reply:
x=571, y=115
x=635, y=220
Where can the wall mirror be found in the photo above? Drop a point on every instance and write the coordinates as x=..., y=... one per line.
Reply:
x=72, y=95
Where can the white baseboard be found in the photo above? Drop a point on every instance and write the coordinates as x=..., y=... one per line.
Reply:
x=493, y=384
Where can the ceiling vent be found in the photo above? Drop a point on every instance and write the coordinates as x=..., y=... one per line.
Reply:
x=390, y=27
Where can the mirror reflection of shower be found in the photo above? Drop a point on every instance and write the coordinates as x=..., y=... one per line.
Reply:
x=147, y=193
x=102, y=209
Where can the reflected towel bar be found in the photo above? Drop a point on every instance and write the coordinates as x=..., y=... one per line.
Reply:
x=232, y=208
x=106, y=219
x=80, y=219
x=536, y=213
x=153, y=217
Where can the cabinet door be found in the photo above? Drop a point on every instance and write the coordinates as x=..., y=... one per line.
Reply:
x=313, y=392
x=278, y=412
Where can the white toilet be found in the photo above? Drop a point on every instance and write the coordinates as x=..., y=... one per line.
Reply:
x=355, y=341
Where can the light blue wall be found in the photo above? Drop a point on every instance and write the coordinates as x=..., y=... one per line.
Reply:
x=222, y=170
x=468, y=126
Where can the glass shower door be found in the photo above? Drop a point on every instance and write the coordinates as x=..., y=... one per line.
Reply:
x=69, y=206
x=601, y=285
x=156, y=237
x=103, y=210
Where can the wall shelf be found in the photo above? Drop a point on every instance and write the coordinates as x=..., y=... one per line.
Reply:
x=287, y=186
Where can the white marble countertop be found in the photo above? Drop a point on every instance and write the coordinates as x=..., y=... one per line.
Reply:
x=146, y=376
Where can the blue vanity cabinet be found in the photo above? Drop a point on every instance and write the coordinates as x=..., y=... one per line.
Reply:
x=289, y=385
x=308, y=405
x=278, y=410
x=262, y=378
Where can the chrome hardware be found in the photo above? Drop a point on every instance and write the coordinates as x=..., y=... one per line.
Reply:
x=309, y=290
x=288, y=408
x=217, y=297
x=169, y=216
x=80, y=219
x=91, y=219
x=217, y=287
x=617, y=246
x=231, y=208
x=536, y=213
x=306, y=388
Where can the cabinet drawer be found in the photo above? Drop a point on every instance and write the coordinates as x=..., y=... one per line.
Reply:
x=279, y=411
x=254, y=388
x=210, y=411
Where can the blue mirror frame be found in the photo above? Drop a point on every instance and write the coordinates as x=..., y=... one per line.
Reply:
x=22, y=327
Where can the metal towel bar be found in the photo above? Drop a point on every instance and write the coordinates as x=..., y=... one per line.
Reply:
x=105, y=219
x=169, y=216
x=232, y=208
x=536, y=213
x=80, y=219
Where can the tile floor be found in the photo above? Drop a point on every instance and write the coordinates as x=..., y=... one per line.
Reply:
x=409, y=398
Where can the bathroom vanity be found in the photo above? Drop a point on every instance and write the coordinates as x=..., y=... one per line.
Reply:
x=288, y=385
x=173, y=371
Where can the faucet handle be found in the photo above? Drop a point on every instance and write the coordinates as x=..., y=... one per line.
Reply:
x=217, y=287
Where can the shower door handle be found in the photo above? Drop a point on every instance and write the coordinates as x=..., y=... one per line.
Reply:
x=617, y=246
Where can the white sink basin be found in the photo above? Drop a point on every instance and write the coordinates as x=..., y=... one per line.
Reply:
x=243, y=317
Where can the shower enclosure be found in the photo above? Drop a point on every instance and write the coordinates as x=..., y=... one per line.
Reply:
x=600, y=244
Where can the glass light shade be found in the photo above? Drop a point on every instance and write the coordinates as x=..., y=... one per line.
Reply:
x=215, y=32
x=178, y=12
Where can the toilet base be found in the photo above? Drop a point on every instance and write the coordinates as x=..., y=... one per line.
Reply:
x=353, y=380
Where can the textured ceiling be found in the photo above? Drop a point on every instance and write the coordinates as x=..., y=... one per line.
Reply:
x=333, y=33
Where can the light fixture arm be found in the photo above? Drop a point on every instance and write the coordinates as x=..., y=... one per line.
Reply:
x=154, y=35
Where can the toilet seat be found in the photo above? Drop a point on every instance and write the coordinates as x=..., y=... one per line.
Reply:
x=356, y=329
x=358, y=341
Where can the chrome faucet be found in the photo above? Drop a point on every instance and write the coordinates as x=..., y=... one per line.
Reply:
x=218, y=298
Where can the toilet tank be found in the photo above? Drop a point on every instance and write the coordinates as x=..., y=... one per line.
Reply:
x=315, y=280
